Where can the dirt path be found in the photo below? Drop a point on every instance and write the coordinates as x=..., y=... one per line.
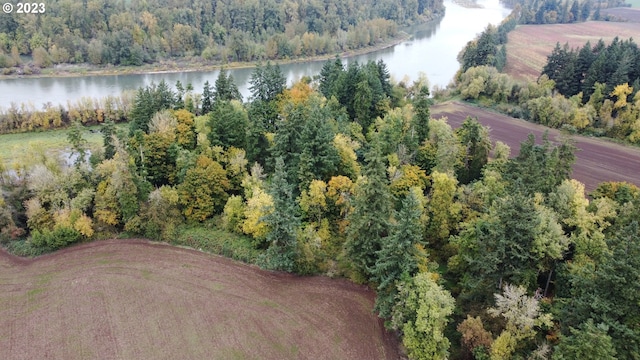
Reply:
x=597, y=160
x=131, y=299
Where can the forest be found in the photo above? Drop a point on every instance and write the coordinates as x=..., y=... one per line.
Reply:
x=101, y=32
x=474, y=254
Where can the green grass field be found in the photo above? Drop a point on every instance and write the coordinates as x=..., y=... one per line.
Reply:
x=15, y=147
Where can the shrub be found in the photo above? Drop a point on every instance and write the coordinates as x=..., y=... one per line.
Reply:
x=55, y=239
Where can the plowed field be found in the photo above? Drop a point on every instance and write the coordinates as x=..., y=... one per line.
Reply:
x=130, y=299
x=529, y=45
x=597, y=160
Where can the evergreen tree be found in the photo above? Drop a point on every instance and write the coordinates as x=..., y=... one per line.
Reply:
x=588, y=342
x=228, y=122
x=179, y=98
x=78, y=144
x=331, y=78
x=421, y=105
x=474, y=138
x=225, y=88
x=267, y=82
x=319, y=159
x=540, y=168
x=608, y=292
x=398, y=257
x=148, y=102
x=108, y=131
x=207, y=98
x=369, y=221
x=283, y=221
x=497, y=248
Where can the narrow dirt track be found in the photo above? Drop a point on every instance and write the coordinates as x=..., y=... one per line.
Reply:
x=132, y=299
x=597, y=160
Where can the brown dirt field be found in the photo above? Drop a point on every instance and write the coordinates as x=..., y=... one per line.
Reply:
x=597, y=160
x=622, y=14
x=132, y=299
x=529, y=45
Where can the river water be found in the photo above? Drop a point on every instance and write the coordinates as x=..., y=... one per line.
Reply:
x=432, y=50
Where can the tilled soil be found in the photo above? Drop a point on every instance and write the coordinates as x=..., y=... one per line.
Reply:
x=529, y=45
x=597, y=160
x=132, y=299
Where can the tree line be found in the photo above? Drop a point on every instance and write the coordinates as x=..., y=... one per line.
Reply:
x=561, y=12
x=592, y=91
x=474, y=254
x=488, y=47
x=103, y=32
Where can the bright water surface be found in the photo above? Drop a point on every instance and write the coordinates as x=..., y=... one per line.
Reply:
x=432, y=50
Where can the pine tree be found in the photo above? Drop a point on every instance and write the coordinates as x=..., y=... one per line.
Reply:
x=474, y=138
x=330, y=78
x=421, y=105
x=399, y=254
x=283, y=221
x=225, y=88
x=319, y=159
x=108, y=131
x=207, y=98
x=78, y=143
x=369, y=221
x=228, y=122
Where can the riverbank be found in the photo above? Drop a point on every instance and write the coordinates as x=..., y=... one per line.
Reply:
x=192, y=65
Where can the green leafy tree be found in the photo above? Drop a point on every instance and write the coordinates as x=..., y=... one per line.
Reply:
x=421, y=314
x=203, y=190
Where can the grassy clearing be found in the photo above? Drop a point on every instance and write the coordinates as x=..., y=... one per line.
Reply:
x=15, y=147
x=216, y=241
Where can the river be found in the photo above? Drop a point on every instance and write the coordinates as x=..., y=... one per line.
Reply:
x=432, y=50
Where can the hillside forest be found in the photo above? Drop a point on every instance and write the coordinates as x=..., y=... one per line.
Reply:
x=135, y=32
x=474, y=254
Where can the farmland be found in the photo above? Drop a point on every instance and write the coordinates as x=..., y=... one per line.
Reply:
x=596, y=160
x=529, y=45
x=131, y=299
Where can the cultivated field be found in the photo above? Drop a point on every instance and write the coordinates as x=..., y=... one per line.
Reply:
x=131, y=299
x=597, y=160
x=529, y=45
x=623, y=14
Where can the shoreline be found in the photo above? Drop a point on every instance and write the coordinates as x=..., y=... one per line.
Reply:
x=174, y=66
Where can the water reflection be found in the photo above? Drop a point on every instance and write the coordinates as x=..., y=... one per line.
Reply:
x=432, y=49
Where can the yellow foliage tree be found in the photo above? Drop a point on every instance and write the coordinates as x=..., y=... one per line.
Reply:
x=621, y=92
x=347, y=152
x=313, y=201
x=256, y=209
